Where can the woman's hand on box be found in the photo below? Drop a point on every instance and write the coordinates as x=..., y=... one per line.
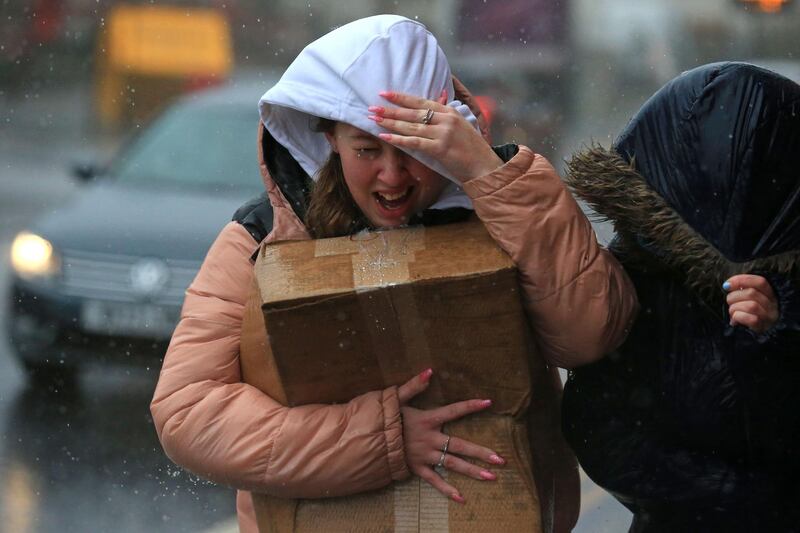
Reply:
x=424, y=439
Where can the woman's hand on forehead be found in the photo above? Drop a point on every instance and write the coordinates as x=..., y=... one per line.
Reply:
x=436, y=130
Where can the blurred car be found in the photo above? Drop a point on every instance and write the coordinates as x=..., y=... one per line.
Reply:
x=103, y=277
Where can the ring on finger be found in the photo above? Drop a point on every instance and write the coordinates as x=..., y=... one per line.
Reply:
x=428, y=117
x=440, y=464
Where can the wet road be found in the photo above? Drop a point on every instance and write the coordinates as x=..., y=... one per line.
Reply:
x=86, y=459
x=91, y=462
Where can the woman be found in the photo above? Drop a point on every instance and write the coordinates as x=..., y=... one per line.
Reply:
x=693, y=423
x=381, y=159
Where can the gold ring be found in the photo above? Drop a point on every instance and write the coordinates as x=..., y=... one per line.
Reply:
x=428, y=117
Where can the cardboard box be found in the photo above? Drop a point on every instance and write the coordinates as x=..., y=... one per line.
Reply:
x=355, y=314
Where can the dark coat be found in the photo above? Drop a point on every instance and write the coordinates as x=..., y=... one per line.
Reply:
x=692, y=424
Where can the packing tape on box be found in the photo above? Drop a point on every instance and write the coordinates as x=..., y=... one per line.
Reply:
x=380, y=260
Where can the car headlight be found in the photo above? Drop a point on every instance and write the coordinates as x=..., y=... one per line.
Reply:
x=33, y=256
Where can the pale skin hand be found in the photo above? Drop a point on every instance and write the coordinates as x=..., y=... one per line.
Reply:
x=448, y=138
x=424, y=439
x=751, y=302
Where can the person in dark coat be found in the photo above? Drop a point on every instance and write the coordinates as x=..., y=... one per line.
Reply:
x=694, y=422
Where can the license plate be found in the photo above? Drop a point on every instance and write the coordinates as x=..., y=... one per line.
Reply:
x=129, y=319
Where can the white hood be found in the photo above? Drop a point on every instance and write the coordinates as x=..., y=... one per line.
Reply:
x=339, y=76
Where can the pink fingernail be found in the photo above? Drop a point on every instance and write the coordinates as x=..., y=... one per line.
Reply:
x=385, y=136
x=375, y=109
x=485, y=474
x=486, y=403
x=458, y=498
x=425, y=375
x=496, y=459
x=375, y=118
x=386, y=94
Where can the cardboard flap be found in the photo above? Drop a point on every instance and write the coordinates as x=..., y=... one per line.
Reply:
x=324, y=267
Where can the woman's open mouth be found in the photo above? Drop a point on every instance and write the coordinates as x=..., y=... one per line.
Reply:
x=393, y=201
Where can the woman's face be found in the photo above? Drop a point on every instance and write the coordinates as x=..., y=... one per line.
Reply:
x=388, y=185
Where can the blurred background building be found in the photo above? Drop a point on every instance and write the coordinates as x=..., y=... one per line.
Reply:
x=554, y=73
x=79, y=77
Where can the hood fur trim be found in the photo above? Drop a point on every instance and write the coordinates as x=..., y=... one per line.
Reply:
x=651, y=233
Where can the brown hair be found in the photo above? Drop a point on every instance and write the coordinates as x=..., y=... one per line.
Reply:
x=332, y=212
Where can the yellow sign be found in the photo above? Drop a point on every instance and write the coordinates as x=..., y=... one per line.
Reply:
x=148, y=55
x=168, y=41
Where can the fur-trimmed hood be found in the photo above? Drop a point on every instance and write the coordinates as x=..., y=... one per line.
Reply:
x=705, y=179
x=652, y=234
